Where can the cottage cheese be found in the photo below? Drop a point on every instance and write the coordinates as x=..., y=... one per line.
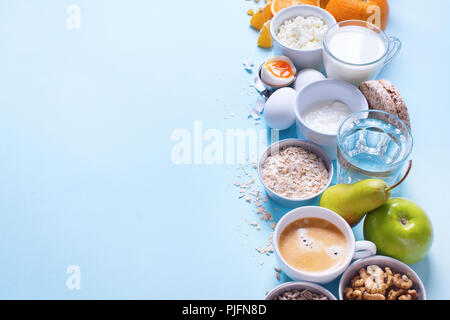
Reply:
x=302, y=32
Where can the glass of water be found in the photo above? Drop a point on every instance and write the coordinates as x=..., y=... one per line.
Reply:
x=373, y=144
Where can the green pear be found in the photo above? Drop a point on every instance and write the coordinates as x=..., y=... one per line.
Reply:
x=354, y=201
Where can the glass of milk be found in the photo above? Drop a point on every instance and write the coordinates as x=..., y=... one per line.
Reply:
x=355, y=51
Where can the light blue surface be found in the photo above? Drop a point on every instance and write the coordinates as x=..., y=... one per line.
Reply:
x=85, y=143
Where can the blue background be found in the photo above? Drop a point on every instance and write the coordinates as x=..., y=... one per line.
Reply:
x=86, y=119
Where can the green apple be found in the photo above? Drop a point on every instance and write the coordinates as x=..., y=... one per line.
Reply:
x=400, y=229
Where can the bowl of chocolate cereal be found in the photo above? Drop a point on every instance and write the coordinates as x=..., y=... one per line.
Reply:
x=299, y=290
x=294, y=172
x=380, y=278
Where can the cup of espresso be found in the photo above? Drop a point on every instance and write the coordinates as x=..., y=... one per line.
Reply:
x=316, y=244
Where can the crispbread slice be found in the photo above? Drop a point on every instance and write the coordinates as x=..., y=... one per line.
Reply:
x=383, y=95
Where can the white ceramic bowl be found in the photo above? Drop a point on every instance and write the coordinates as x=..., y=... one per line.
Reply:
x=326, y=90
x=299, y=285
x=275, y=148
x=382, y=261
x=355, y=249
x=311, y=58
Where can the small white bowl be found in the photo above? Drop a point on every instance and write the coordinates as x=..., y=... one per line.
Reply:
x=382, y=261
x=302, y=58
x=275, y=148
x=299, y=285
x=326, y=90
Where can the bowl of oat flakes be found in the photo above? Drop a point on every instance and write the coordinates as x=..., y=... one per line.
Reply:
x=295, y=172
x=299, y=290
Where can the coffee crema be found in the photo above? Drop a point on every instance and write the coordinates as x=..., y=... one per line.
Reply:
x=313, y=245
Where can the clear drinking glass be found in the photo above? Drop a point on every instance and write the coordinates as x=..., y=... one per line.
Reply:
x=369, y=39
x=372, y=144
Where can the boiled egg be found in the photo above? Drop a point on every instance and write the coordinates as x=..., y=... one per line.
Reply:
x=307, y=76
x=278, y=71
x=279, y=110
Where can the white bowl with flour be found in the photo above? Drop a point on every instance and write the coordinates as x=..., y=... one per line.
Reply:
x=320, y=108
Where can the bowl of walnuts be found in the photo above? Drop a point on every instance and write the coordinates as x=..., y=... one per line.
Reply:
x=380, y=278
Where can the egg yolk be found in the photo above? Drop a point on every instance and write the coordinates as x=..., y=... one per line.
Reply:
x=280, y=69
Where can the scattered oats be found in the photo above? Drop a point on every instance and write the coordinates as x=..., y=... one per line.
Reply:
x=256, y=225
x=237, y=184
x=241, y=195
x=260, y=103
x=231, y=115
x=253, y=115
x=248, y=199
x=278, y=276
x=266, y=216
x=277, y=269
x=273, y=225
x=248, y=66
x=259, y=87
x=295, y=173
x=268, y=249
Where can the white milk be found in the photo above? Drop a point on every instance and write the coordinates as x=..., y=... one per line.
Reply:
x=354, y=45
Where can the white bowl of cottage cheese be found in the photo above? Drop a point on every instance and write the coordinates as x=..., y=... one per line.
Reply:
x=298, y=32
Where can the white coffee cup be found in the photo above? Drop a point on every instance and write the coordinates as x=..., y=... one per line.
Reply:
x=356, y=249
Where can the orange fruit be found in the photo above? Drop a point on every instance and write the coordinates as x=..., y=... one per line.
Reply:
x=372, y=11
x=265, y=39
x=278, y=5
x=261, y=16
